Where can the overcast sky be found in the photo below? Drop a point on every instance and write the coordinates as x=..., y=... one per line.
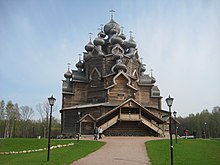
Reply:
x=179, y=40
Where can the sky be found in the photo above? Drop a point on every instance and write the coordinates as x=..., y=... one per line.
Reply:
x=179, y=40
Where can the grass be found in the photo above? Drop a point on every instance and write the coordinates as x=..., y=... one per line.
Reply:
x=186, y=152
x=60, y=156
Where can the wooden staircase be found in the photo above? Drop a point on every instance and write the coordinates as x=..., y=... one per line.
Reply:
x=109, y=123
x=132, y=117
x=152, y=126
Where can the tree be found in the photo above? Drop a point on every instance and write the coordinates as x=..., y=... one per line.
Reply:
x=26, y=112
x=26, y=115
x=2, y=118
x=44, y=110
x=215, y=119
x=12, y=114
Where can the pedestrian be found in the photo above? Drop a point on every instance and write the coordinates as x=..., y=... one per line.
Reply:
x=96, y=132
x=100, y=132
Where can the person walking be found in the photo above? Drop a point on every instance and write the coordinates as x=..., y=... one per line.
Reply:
x=100, y=132
x=96, y=132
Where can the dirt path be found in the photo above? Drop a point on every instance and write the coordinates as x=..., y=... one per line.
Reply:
x=119, y=151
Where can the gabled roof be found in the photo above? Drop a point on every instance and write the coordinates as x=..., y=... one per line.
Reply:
x=132, y=100
x=116, y=76
x=87, y=115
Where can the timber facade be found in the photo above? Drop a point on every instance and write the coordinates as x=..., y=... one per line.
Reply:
x=110, y=89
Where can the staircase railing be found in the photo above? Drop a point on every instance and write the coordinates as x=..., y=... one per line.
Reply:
x=152, y=126
x=109, y=123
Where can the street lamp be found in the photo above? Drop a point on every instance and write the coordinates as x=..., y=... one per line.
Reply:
x=174, y=114
x=51, y=101
x=79, y=133
x=169, y=101
x=14, y=127
x=205, y=129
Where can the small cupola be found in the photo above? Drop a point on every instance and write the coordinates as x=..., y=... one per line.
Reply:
x=89, y=47
x=155, y=92
x=122, y=35
x=68, y=74
x=79, y=64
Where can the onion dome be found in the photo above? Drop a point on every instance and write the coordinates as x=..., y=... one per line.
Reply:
x=99, y=41
x=68, y=74
x=122, y=35
x=130, y=43
x=102, y=34
x=89, y=47
x=112, y=27
x=79, y=65
x=113, y=31
x=120, y=66
x=153, y=80
x=115, y=39
x=142, y=69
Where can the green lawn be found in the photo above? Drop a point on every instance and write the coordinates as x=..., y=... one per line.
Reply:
x=60, y=156
x=186, y=152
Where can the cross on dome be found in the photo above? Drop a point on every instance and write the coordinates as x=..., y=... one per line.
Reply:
x=130, y=34
x=80, y=55
x=90, y=36
x=68, y=64
x=122, y=28
x=101, y=26
x=151, y=72
x=111, y=11
x=141, y=59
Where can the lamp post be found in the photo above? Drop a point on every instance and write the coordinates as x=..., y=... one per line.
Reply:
x=79, y=133
x=169, y=101
x=205, y=129
x=51, y=101
x=174, y=114
x=14, y=127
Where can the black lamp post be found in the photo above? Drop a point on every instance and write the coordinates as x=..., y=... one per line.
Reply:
x=205, y=129
x=79, y=133
x=174, y=114
x=51, y=102
x=14, y=127
x=169, y=101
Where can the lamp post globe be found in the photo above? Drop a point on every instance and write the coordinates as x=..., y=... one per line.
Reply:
x=169, y=102
x=51, y=101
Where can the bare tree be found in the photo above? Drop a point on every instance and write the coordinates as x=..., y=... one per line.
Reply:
x=44, y=110
x=26, y=113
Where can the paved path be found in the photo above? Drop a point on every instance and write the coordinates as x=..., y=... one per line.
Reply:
x=119, y=151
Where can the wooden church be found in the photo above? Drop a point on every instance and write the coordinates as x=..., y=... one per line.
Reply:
x=111, y=90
